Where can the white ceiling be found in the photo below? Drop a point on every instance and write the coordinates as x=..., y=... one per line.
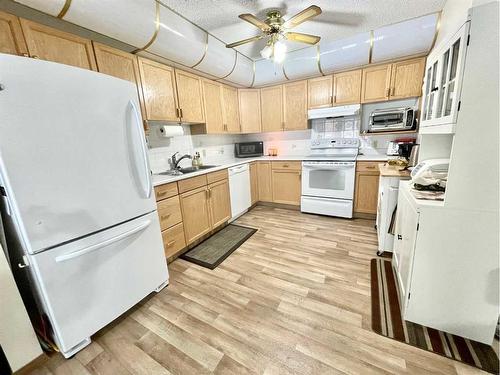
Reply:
x=340, y=18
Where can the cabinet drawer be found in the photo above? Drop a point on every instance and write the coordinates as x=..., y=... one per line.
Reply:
x=292, y=165
x=217, y=176
x=367, y=166
x=173, y=240
x=166, y=191
x=169, y=212
x=192, y=183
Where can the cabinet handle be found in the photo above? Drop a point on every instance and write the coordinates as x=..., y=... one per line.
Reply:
x=388, y=92
x=331, y=99
x=171, y=242
x=25, y=55
x=282, y=126
x=165, y=217
x=393, y=91
x=161, y=194
x=35, y=56
x=334, y=99
x=180, y=113
x=177, y=113
x=370, y=167
x=400, y=237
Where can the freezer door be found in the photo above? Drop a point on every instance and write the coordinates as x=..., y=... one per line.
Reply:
x=88, y=283
x=73, y=159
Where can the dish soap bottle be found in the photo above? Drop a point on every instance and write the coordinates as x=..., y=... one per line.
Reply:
x=197, y=160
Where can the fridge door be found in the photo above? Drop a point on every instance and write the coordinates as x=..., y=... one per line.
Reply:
x=73, y=158
x=90, y=282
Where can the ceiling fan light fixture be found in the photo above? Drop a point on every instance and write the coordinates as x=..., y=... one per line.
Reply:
x=279, y=51
x=267, y=51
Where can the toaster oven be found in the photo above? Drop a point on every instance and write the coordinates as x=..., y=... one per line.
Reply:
x=392, y=119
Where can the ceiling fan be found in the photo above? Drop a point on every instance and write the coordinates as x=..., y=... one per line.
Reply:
x=276, y=29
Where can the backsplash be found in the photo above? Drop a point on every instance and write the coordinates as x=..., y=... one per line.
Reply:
x=214, y=149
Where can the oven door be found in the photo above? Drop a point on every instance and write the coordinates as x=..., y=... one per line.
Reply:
x=328, y=179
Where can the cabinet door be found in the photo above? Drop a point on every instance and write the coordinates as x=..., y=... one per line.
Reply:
x=190, y=97
x=295, y=105
x=406, y=79
x=376, y=83
x=249, y=103
x=158, y=86
x=366, y=188
x=286, y=186
x=254, y=183
x=11, y=35
x=265, y=182
x=50, y=44
x=230, y=111
x=212, y=102
x=271, y=99
x=119, y=64
x=347, y=87
x=195, y=213
x=320, y=92
x=220, y=203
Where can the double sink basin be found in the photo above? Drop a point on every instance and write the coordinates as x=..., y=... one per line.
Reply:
x=181, y=171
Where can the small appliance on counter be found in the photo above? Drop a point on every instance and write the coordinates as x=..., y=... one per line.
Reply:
x=392, y=119
x=401, y=147
x=248, y=149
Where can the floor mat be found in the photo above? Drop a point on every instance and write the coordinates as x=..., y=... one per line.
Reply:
x=387, y=321
x=212, y=252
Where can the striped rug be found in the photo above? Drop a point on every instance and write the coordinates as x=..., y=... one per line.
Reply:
x=387, y=321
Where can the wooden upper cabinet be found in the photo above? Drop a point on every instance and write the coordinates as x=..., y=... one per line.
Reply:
x=189, y=94
x=249, y=104
x=219, y=202
x=271, y=100
x=320, y=92
x=50, y=44
x=347, y=87
x=230, y=111
x=158, y=86
x=295, y=105
x=376, y=83
x=407, y=77
x=119, y=64
x=11, y=35
x=212, y=102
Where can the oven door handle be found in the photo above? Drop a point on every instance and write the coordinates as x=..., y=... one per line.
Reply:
x=329, y=167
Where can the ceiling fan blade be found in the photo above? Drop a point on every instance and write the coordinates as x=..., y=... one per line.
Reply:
x=244, y=41
x=303, y=16
x=302, y=38
x=255, y=21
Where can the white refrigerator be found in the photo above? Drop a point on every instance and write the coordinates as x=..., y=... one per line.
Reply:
x=79, y=214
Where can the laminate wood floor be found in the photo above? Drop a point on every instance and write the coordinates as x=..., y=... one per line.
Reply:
x=294, y=299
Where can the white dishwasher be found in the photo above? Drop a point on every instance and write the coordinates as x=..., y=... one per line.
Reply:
x=239, y=188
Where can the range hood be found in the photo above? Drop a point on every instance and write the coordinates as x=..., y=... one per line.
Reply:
x=340, y=111
x=161, y=34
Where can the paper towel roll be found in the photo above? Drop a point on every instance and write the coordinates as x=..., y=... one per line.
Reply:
x=168, y=131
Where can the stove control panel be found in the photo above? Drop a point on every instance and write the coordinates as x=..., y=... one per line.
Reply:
x=335, y=143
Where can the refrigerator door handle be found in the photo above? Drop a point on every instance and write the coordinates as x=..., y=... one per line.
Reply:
x=138, y=124
x=89, y=249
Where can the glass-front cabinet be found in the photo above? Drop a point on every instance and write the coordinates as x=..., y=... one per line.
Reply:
x=442, y=84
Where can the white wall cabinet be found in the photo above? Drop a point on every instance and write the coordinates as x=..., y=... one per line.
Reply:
x=443, y=83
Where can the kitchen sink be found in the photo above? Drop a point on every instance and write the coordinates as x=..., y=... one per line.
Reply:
x=182, y=171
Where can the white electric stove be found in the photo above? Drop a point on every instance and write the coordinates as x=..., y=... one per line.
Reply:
x=328, y=177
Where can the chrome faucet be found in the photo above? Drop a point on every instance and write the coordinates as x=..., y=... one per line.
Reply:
x=174, y=162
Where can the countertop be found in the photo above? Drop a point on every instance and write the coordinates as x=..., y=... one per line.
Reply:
x=165, y=179
x=387, y=170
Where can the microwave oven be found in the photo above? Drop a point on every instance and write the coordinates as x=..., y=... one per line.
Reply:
x=392, y=119
x=248, y=149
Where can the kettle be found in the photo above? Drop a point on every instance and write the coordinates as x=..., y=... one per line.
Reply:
x=413, y=160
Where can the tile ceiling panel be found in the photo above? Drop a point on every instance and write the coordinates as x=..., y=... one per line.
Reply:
x=340, y=18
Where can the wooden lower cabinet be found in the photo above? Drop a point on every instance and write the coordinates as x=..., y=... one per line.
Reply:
x=169, y=212
x=219, y=203
x=265, y=182
x=287, y=182
x=254, y=183
x=173, y=240
x=195, y=213
x=366, y=188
